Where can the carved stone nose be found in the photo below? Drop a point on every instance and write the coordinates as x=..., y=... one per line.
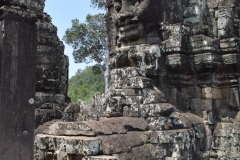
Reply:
x=125, y=6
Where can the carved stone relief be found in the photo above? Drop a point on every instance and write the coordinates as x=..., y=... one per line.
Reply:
x=52, y=73
x=175, y=73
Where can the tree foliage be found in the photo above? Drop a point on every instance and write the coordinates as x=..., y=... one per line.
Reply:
x=87, y=39
x=89, y=42
x=84, y=85
x=100, y=4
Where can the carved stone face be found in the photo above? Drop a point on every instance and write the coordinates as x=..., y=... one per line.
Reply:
x=48, y=70
x=135, y=20
x=47, y=78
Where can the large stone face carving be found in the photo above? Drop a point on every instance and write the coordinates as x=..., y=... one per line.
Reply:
x=52, y=74
x=136, y=21
x=175, y=73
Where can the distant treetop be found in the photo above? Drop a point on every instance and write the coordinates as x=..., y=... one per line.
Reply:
x=100, y=4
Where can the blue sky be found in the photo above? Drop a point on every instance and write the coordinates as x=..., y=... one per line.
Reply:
x=62, y=12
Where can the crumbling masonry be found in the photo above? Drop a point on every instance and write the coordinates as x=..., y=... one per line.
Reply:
x=174, y=92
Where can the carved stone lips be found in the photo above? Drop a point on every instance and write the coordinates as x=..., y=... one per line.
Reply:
x=51, y=80
x=128, y=27
x=130, y=31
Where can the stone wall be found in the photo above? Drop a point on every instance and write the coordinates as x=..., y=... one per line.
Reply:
x=174, y=90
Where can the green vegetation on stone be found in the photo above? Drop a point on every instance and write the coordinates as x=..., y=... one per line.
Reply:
x=84, y=85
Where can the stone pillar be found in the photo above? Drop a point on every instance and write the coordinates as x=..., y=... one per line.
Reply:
x=18, y=49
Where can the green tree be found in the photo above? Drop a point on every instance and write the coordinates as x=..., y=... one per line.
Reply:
x=89, y=42
x=84, y=85
x=100, y=4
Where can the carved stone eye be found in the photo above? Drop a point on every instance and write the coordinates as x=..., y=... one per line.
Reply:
x=133, y=2
x=137, y=4
x=117, y=5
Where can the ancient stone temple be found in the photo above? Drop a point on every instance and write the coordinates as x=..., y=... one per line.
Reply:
x=52, y=73
x=174, y=92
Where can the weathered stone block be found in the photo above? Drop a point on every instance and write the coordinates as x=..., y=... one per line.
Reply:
x=82, y=112
x=42, y=98
x=233, y=99
x=122, y=73
x=181, y=80
x=121, y=143
x=230, y=59
x=121, y=124
x=130, y=100
x=202, y=107
x=99, y=99
x=71, y=108
x=74, y=145
x=229, y=45
x=177, y=63
x=183, y=138
x=207, y=93
x=223, y=130
x=185, y=120
x=194, y=92
x=237, y=117
x=44, y=115
x=206, y=62
x=193, y=11
x=154, y=138
x=177, y=44
x=119, y=60
x=226, y=3
x=145, y=152
x=159, y=123
x=231, y=62
x=212, y=4
x=132, y=111
x=193, y=20
x=219, y=93
x=225, y=23
x=148, y=110
x=224, y=137
x=100, y=110
x=179, y=98
x=151, y=96
x=154, y=110
x=69, y=129
x=134, y=82
x=83, y=145
x=125, y=92
x=178, y=28
x=203, y=44
x=105, y=126
x=101, y=158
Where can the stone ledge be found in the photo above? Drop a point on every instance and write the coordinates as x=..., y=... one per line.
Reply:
x=72, y=144
x=105, y=126
x=101, y=158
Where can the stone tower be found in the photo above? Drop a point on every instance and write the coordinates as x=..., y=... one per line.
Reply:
x=174, y=90
x=52, y=73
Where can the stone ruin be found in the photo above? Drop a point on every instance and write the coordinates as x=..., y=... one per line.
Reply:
x=174, y=92
x=51, y=74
